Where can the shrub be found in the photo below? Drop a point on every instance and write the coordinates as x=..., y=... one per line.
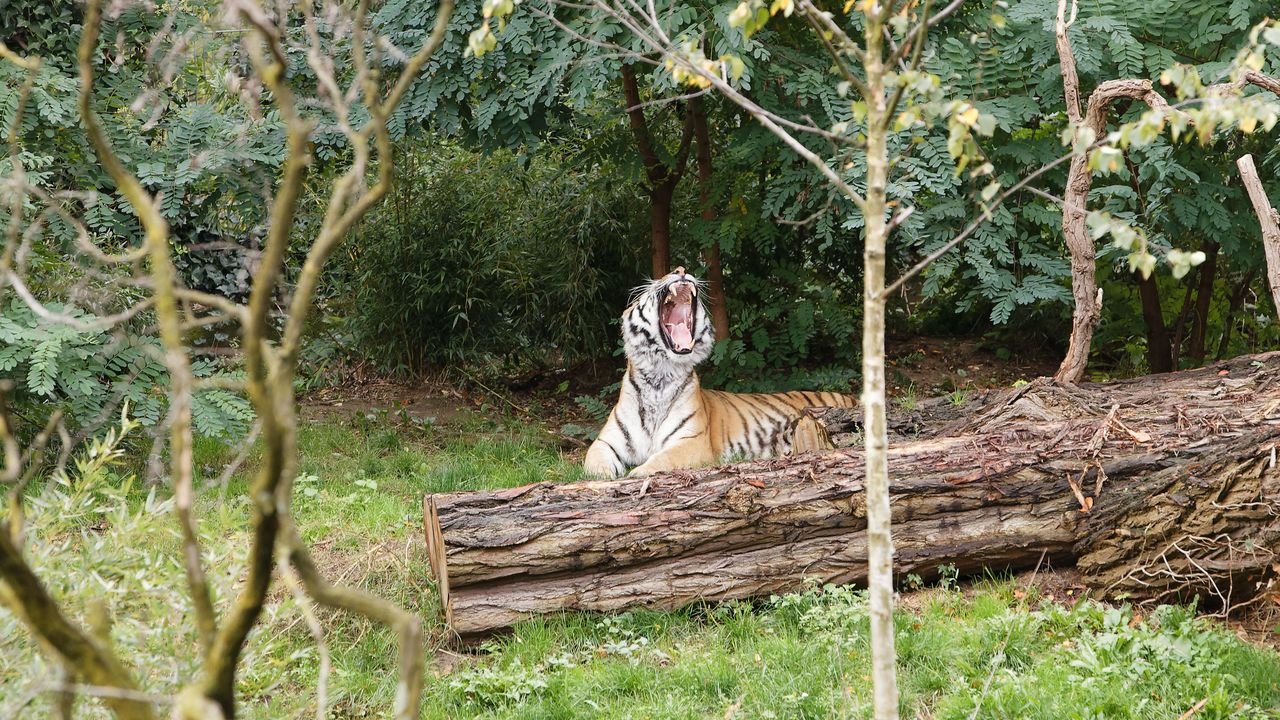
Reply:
x=480, y=259
x=88, y=373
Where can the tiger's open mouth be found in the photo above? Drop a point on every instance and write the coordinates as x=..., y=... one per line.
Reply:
x=677, y=316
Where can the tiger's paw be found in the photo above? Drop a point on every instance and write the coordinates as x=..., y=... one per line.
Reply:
x=602, y=463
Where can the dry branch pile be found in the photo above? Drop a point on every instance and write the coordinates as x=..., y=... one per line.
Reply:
x=1162, y=487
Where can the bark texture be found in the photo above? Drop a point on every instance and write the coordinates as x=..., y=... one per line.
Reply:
x=1162, y=486
x=1084, y=284
x=1268, y=219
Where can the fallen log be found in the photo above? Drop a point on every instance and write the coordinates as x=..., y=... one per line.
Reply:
x=1162, y=487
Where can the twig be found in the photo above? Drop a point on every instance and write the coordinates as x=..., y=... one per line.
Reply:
x=1194, y=709
x=164, y=277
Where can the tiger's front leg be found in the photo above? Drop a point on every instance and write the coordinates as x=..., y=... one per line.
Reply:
x=603, y=461
x=688, y=453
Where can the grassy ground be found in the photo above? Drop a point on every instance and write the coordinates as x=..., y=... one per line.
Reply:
x=994, y=650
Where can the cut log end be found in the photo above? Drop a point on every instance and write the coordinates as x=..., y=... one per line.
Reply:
x=437, y=556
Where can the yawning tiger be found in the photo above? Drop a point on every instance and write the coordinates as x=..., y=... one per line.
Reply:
x=664, y=419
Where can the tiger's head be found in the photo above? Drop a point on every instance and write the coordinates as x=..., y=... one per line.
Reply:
x=666, y=323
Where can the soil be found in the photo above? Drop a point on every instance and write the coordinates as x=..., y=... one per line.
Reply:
x=928, y=366
x=422, y=401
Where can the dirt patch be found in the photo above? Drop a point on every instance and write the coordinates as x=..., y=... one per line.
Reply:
x=422, y=401
x=930, y=366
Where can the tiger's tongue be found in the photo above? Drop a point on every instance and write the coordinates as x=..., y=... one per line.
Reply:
x=678, y=332
x=679, y=324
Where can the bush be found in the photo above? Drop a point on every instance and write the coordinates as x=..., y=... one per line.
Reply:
x=89, y=373
x=483, y=259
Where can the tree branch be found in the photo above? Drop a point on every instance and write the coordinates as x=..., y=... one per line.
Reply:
x=1268, y=220
x=156, y=230
x=917, y=50
x=945, y=12
x=682, y=154
x=1067, y=60
x=826, y=28
x=654, y=169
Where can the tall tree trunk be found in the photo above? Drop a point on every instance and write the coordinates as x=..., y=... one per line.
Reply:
x=1180, y=324
x=662, y=178
x=879, y=536
x=660, y=200
x=1204, y=297
x=1159, y=356
x=1084, y=283
x=715, y=277
x=1233, y=306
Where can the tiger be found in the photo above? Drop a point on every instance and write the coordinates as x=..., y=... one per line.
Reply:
x=664, y=420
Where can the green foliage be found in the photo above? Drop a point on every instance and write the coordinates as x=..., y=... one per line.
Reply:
x=1179, y=194
x=45, y=28
x=1107, y=662
x=90, y=373
x=521, y=265
x=182, y=126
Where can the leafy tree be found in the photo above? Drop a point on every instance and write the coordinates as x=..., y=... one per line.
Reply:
x=87, y=653
x=1184, y=196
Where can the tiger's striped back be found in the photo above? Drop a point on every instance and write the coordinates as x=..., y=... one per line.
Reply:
x=757, y=425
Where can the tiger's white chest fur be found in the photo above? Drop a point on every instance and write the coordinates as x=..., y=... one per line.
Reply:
x=650, y=407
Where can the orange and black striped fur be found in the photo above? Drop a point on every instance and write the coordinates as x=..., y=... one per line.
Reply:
x=664, y=420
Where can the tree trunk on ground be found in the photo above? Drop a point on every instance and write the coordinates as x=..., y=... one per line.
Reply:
x=1160, y=487
x=715, y=276
x=1159, y=352
x=662, y=178
x=1204, y=297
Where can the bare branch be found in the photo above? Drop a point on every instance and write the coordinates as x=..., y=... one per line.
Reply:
x=1268, y=220
x=671, y=100
x=945, y=12
x=164, y=277
x=1067, y=59
x=916, y=53
x=43, y=312
x=826, y=28
x=218, y=683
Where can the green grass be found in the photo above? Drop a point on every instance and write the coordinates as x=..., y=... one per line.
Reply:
x=984, y=652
